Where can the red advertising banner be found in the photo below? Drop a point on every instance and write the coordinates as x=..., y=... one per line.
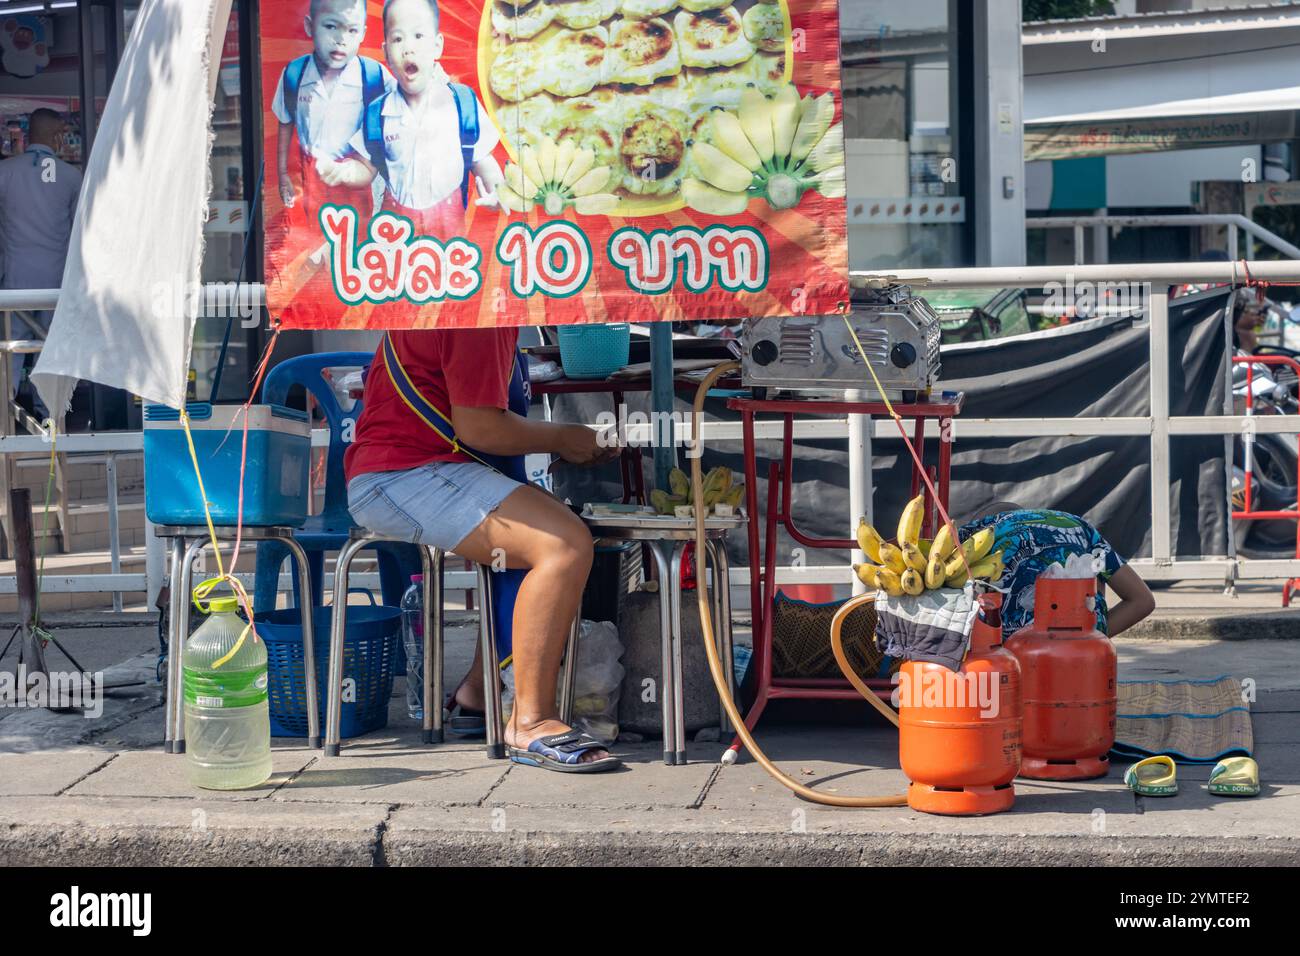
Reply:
x=470, y=163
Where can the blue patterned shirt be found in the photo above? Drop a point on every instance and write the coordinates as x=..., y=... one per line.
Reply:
x=1032, y=540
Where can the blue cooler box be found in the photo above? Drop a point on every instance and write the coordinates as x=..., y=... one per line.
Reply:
x=276, y=483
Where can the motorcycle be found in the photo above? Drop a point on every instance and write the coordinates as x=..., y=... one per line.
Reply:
x=1271, y=459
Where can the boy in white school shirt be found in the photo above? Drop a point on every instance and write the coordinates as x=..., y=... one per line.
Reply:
x=323, y=97
x=428, y=138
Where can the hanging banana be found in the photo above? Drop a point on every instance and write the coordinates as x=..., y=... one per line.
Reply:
x=909, y=523
x=913, y=583
x=869, y=541
x=890, y=582
x=892, y=558
x=913, y=558
x=915, y=565
x=868, y=574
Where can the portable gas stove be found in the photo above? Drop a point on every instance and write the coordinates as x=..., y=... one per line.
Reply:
x=898, y=330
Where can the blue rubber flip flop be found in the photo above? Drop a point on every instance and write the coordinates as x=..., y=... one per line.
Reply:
x=563, y=754
x=461, y=721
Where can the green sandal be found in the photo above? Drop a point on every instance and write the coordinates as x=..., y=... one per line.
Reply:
x=1235, y=777
x=1153, y=777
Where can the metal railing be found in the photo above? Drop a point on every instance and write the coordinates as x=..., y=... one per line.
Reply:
x=1160, y=427
x=1235, y=223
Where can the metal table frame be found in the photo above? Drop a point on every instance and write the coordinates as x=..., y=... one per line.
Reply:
x=779, y=515
x=186, y=545
x=667, y=543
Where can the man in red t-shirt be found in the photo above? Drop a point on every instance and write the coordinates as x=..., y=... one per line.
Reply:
x=408, y=482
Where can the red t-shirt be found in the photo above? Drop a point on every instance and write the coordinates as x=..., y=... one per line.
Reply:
x=471, y=368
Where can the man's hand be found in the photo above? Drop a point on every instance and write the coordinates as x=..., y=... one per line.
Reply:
x=287, y=194
x=582, y=446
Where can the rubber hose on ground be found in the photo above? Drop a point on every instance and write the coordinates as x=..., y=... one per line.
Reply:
x=710, y=645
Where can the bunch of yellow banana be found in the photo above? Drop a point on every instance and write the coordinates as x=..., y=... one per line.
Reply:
x=914, y=565
x=775, y=148
x=555, y=176
x=720, y=488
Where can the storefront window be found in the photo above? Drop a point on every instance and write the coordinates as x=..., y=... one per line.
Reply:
x=58, y=57
x=906, y=208
x=227, y=254
x=42, y=53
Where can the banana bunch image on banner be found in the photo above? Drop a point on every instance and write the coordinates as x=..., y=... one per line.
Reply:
x=556, y=176
x=914, y=565
x=776, y=149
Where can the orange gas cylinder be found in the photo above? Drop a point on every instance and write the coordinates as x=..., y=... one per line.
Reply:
x=1068, y=667
x=959, y=733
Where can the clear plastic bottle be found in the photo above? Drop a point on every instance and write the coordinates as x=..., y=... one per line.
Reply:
x=227, y=721
x=413, y=640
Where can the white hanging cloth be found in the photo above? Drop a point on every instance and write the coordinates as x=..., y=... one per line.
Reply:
x=131, y=288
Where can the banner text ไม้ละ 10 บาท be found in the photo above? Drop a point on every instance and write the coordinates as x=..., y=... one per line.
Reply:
x=479, y=162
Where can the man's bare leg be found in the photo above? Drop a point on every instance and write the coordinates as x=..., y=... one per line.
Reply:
x=533, y=531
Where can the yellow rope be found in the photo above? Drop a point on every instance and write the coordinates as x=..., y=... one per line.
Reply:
x=898, y=420
x=45, y=523
x=208, y=586
x=203, y=494
x=867, y=362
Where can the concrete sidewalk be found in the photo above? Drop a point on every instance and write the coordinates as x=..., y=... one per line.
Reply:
x=102, y=792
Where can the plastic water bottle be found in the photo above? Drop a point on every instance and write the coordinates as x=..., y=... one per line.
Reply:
x=227, y=721
x=413, y=640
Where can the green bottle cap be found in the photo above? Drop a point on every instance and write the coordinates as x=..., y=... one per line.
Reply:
x=223, y=605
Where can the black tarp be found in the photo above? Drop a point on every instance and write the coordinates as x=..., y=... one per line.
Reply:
x=1100, y=372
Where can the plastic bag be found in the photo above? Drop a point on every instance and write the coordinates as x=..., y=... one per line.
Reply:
x=596, y=689
x=600, y=676
x=1077, y=566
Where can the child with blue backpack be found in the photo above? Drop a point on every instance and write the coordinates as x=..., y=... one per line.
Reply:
x=426, y=138
x=323, y=97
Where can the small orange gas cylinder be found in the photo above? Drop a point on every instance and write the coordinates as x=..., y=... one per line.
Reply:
x=959, y=733
x=1069, y=671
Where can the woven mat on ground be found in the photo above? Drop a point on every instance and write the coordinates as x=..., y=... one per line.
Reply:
x=1193, y=721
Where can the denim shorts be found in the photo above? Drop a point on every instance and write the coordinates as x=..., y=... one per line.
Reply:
x=438, y=504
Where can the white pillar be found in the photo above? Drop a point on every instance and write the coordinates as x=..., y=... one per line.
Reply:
x=860, y=490
x=999, y=175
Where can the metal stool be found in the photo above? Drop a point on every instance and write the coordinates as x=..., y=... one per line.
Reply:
x=433, y=562
x=182, y=578
x=667, y=539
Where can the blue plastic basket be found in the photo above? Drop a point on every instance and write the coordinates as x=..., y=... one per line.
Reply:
x=594, y=351
x=369, y=654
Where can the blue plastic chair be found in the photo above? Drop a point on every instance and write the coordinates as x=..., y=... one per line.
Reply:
x=329, y=530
